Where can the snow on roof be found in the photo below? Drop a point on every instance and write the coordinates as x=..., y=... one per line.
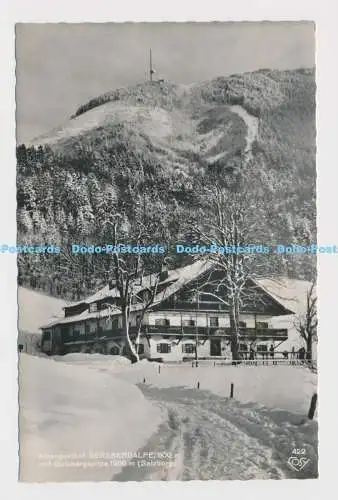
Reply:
x=176, y=279
x=291, y=293
x=181, y=275
x=101, y=294
x=35, y=308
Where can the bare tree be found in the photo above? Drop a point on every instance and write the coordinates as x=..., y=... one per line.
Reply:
x=132, y=226
x=234, y=218
x=306, y=323
x=136, y=288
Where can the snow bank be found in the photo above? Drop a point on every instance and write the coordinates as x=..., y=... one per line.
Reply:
x=85, y=358
x=95, y=361
x=74, y=419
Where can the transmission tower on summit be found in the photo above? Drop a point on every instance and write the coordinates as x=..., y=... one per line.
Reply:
x=151, y=69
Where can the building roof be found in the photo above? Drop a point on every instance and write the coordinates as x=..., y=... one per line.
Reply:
x=181, y=275
x=280, y=290
x=292, y=294
x=289, y=292
x=176, y=279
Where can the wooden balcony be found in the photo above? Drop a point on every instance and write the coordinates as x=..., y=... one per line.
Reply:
x=246, y=333
x=184, y=331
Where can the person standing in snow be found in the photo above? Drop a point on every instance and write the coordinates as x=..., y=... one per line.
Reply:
x=252, y=353
x=245, y=351
x=301, y=354
x=272, y=353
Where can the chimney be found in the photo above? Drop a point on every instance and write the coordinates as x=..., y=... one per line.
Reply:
x=164, y=273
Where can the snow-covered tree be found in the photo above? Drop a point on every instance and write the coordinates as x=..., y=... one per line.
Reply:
x=234, y=216
x=306, y=323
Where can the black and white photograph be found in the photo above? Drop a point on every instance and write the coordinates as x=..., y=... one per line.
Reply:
x=167, y=251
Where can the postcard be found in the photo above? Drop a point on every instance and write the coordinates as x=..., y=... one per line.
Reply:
x=167, y=251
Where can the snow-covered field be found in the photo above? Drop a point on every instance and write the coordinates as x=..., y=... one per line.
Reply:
x=69, y=414
x=82, y=402
x=284, y=387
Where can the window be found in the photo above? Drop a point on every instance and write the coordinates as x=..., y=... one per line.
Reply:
x=92, y=326
x=139, y=348
x=242, y=324
x=114, y=350
x=262, y=348
x=214, y=321
x=93, y=307
x=262, y=324
x=163, y=348
x=188, y=322
x=188, y=348
x=78, y=329
x=104, y=324
x=65, y=334
x=138, y=320
x=162, y=322
x=46, y=336
x=243, y=347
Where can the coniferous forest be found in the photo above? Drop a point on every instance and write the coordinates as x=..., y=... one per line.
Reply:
x=152, y=158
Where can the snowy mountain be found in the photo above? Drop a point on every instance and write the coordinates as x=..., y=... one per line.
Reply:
x=166, y=137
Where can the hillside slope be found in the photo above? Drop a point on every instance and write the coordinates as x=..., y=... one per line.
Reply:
x=169, y=136
x=35, y=309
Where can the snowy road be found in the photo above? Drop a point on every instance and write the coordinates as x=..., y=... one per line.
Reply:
x=216, y=438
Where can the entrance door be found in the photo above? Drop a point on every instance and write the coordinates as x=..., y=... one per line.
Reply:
x=215, y=347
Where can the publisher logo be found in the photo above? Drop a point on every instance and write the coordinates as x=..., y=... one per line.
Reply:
x=298, y=460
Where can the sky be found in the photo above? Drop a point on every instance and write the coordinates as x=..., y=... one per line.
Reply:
x=60, y=66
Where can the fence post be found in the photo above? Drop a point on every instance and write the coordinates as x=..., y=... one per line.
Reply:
x=313, y=405
x=198, y=385
x=159, y=368
x=232, y=390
